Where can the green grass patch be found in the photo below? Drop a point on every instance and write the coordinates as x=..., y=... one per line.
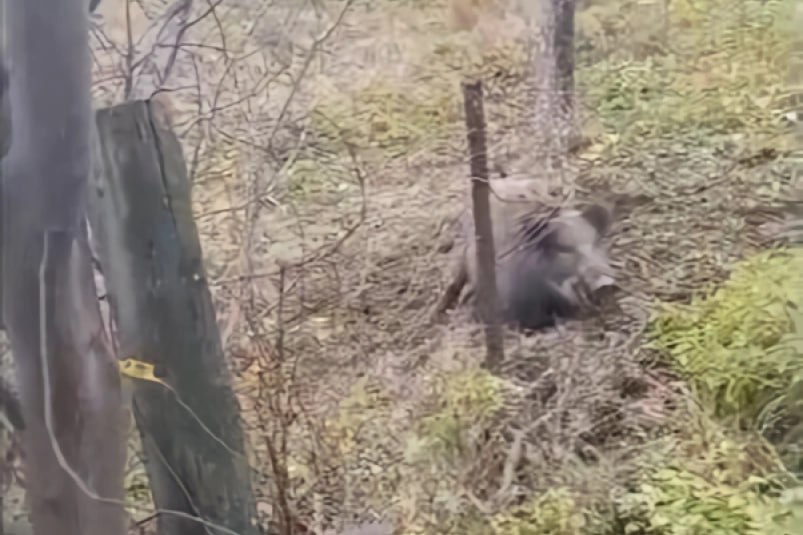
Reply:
x=674, y=501
x=468, y=401
x=387, y=115
x=721, y=69
x=737, y=346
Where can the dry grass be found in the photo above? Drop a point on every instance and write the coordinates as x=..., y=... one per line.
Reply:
x=323, y=255
x=579, y=406
x=324, y=288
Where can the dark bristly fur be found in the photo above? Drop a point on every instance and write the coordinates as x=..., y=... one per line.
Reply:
x=548, y=261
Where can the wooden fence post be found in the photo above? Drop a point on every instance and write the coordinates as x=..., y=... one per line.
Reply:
x=487, y=298
x=150, y=252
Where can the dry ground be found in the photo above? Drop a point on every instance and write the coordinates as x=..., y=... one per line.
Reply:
x=324, y=280
x=354, y=317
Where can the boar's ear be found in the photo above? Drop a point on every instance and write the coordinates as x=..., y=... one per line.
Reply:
x=599, y=217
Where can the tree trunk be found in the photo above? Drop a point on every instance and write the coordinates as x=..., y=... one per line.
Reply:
x=5, y=128
x=151, y=257
x=555, y=131
x=487, y=298
x=563, y=39
x=68, y=379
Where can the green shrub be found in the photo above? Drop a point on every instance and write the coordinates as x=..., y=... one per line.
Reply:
x=553, y=513
x=706, y=479
x=736, y=347
x=468, y=400
x=673, y=501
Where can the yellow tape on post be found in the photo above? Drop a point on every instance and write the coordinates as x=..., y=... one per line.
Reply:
x=136, y=369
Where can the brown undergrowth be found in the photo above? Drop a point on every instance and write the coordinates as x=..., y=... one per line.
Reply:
x=324, y=219
x=324, y=290
x=398, y=420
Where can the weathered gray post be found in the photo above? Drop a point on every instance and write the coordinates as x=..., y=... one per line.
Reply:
x=151, y=257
